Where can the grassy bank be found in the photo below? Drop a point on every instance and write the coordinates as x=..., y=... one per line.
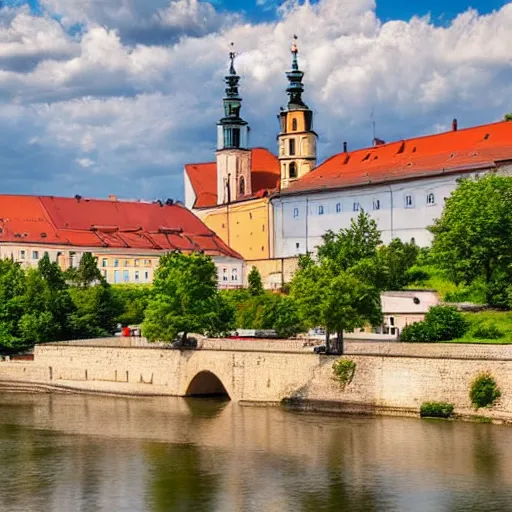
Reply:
x=502, y=320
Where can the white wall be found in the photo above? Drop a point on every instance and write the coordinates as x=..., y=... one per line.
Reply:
x=190, y=195
x=299, y=224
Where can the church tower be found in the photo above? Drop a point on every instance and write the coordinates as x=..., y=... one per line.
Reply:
x=297, y=140
x=233, y=153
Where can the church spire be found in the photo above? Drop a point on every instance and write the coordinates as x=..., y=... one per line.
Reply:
x=296, y=87
x=233, y=153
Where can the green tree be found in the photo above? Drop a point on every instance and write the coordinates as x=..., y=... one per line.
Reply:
x=51, y=273
x=397, y=258
x=350, y=246
x=472, y=236
x=185, y=299
x=87, y=273
x=132, y=301
x=255, y=282
x=334, y=300
x=95, y=311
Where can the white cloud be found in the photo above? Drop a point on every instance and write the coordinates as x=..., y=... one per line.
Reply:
x=104, y=111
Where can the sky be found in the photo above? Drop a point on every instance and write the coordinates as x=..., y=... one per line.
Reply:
x=103, y=97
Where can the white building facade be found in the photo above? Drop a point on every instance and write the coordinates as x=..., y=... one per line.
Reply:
x=402, y=185
x=402, y=210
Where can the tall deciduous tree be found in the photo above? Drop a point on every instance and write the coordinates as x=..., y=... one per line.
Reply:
x=350, y=246
x=185, y=299
x=87, y=273
x=335, y=300
x=472, y=238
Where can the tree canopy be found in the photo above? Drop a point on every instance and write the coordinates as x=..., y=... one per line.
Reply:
x=472, y=236
x=341, y=291
x=185, y=299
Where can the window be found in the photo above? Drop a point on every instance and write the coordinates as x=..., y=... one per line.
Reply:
x=292, y=170
x=356, y=206
x=116, y=263
x=291, y=146
x=104, y=272
x=234, y=274
x=126, y=276
x=146, y=276
x=392, y=321
x=236, y=137
x=338, y=207
x=224, y=274
x=295, y=213
x=137, y=276
x=22, y=255
x=297, y=245
x=409, y=202
x=104, y=262
x=136, y=263
x=320, y=210
x=147, y=263
x=376, y=204
x=241, y=185
x=294, y=125
x=126, y=263
x=35, y=255
x=431, y=198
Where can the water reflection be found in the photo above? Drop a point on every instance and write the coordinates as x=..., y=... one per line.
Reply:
x=85, y=453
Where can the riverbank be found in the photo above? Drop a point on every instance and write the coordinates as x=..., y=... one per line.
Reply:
x=389, y=378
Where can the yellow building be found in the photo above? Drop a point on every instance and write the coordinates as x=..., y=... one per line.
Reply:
x=232, y=195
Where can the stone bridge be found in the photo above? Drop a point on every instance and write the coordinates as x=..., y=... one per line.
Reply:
x=389, y=377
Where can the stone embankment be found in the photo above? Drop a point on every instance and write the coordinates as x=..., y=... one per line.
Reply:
x=390, y=377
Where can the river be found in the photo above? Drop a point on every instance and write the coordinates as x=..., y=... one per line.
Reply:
x=91, y=453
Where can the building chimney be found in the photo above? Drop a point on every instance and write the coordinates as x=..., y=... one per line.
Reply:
x=455, y=125
x=112, y=197
x=344, y=147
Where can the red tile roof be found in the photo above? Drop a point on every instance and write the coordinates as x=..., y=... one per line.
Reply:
x=265, y=175
x=107, y=224
x=480, y=147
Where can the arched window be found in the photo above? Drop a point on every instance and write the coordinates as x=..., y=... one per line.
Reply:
x=241, y=185
x=291, y=146
x=293, y=170
x=294, y=125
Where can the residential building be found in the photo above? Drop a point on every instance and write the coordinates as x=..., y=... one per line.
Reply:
x=127, y=237
x=399, y=309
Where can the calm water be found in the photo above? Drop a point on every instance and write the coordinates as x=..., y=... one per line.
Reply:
x=86, y=453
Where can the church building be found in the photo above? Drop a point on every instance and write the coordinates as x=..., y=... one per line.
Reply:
x=232, y=194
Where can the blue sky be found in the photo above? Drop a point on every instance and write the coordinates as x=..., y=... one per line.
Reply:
x=122, y=104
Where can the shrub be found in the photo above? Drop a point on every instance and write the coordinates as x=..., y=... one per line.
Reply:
x=417, y=274
x=484, y=391
x=418, y=332
x=487, y=332
x=446, y=323
x=442, y=323
x=436, y=410
x=344, y=370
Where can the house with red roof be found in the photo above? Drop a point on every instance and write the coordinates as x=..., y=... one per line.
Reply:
x=127, y=237
x=403, y=186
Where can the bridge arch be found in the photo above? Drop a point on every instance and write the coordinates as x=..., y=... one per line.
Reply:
x=206, y=383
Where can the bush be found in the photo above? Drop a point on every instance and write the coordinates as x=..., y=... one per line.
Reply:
x=446, y=323
x=484, y=391
x=442, y=323
x=417, y=275
x=436, y=410
x=344, y=370
x=487, y=332
x=418, y=332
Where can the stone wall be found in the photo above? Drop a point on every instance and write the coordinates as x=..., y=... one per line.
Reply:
x=389, y=377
